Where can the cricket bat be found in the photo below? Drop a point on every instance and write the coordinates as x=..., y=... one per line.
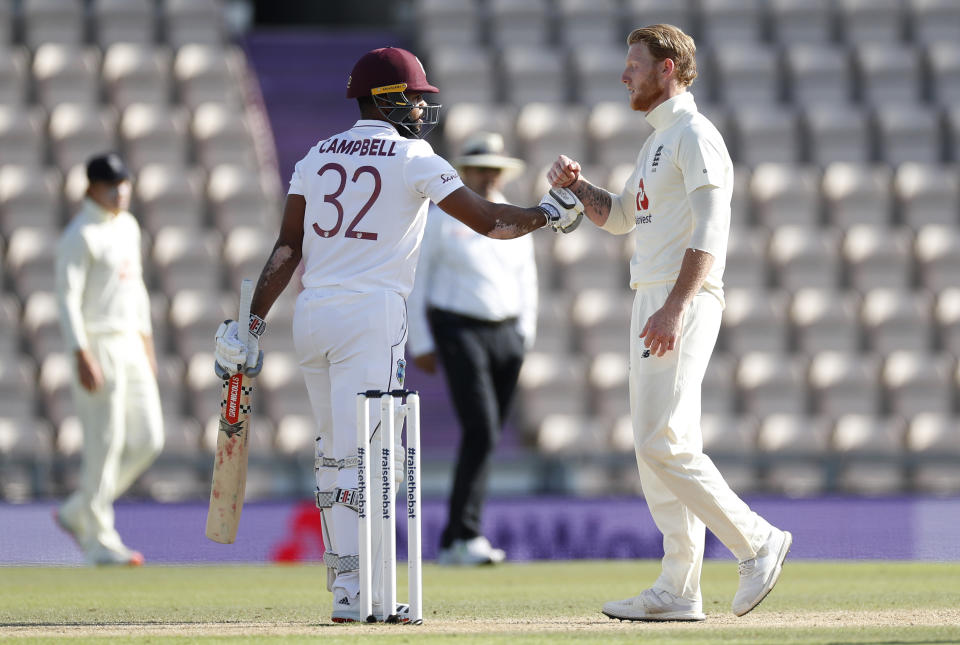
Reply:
x=233, y=438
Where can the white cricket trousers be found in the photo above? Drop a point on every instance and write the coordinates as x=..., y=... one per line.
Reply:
x=683, y=488
x=347, y=343
x=122, y=435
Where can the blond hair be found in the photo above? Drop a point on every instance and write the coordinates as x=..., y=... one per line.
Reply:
x=667, y=41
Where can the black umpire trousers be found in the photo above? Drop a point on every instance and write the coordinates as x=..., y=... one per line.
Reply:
x=481, y=360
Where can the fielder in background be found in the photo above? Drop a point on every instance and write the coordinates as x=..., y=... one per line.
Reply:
x=355, y=213
x=480, y=298
x=678, y=199
x=105, y=317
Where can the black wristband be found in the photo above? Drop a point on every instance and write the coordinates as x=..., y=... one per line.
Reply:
x=257, y=325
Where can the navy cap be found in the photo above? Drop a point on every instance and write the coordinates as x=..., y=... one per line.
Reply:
x=107, y=168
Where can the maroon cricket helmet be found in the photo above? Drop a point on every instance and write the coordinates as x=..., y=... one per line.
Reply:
x=385, y=68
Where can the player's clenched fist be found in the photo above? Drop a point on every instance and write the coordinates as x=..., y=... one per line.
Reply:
x=231, y=354
x=563, y=210
x=564, y=172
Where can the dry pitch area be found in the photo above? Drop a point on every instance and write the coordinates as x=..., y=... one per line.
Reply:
x=816, y=602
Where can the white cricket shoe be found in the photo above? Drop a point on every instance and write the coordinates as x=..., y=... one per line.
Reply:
x=655, y=605
x=471, y=552
x=346, y=609
x=122, y=556
x=758, y=575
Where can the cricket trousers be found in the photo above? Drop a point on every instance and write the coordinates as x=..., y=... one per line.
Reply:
x=347, y=343
x=122, y=435
x=682, y=486
x=481, y=363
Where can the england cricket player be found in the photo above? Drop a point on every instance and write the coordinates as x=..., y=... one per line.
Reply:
x=678, y=200
x=355, y=213
x=105, y=317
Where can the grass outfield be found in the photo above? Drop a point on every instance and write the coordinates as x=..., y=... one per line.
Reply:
x=549, y=602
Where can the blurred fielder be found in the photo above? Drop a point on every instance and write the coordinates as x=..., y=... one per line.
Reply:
x=105, y=317
x=355, y=213
x=480, y=298
x=678, y=199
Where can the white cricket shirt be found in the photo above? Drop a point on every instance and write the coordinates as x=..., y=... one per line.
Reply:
x=685, y=152
x=367, y=191
x=471, y=274
x=100, y=287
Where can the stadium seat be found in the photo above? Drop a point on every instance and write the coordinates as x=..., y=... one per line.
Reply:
x=41, y=325
x=533, y=74
x=609, y=388
x=587, y=21
x=785, y=194
x=918, y=382
x=554, y=328
x=568, y=434
x=175, y=475
x=52, y=21
x=466, y=74
x=444, y=23
x=947, y=316
x=203, y=389
x=55, y=387
x=746, y=265
x=170, y=195
x=888, y=75
x=171, y=373
x=845, y=383
x=30, y=197
x=14, y=75
x=7, y=23
x=951, y=121
x=652, y=12
x=238, y=197
x=801, y=21
x=123, y=21
x=731, y=443
x=817, y=74
x=518, y=21
x=754, y=320
x=858, y=194
x=741, y=212
x=193, y=22
x=927, y=194
x=601, y=320
x=283, y=391
x=805, y=257
x=718, y=393
x=943, y=67
x=296, y=435
x=589, y=260
x=245, y=251
x=908, y=134
x=66, y=74
x=933, y=20
x=204, y=72
x=877, y=257
x=546, y=130
x=137, y=72
x=870, y=450
x=78, y=131
x=26, y=446
x=160, y=323
x=730, y=21
x=551, y=385
x=861, y=21
x=194, y=318
x=793, y=450
x=772, y=383
x=466, y=119
x=222, y=136
x=31, y=254
x=765, y=134
x=18, y=396
x=933, y=446
x=75, y=186
x=185, y=258
x=746, y=73
x=616, y=134
x=10, y=310
x=153, y=134
x=825, y=319
x=837, y=133
x=896, y=319
x=596, y=73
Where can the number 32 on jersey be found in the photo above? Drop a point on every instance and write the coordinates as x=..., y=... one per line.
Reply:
x=332, y=198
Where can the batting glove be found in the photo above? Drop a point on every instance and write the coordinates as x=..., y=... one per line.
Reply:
x=231, y=354
x=563, y=209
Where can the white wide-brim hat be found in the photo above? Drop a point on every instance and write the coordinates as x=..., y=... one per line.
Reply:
x=485, y=150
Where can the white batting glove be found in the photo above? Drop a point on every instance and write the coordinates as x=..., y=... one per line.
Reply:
x=231, y=354
x=564, y=210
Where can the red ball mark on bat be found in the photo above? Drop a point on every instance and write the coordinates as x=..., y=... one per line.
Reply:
x=216, y=494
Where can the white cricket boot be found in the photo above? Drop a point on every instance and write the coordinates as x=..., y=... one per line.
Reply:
x=471, y=552
x=758, y=575
x=655, y=605
x=346, y=609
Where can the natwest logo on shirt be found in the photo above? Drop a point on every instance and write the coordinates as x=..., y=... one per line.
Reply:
x=643, y=203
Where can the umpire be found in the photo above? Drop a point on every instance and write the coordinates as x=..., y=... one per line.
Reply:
x=480, y=298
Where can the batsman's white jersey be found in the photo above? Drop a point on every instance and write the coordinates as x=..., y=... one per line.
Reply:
x=683, y=488
x=367, y=191
x=105, y=309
